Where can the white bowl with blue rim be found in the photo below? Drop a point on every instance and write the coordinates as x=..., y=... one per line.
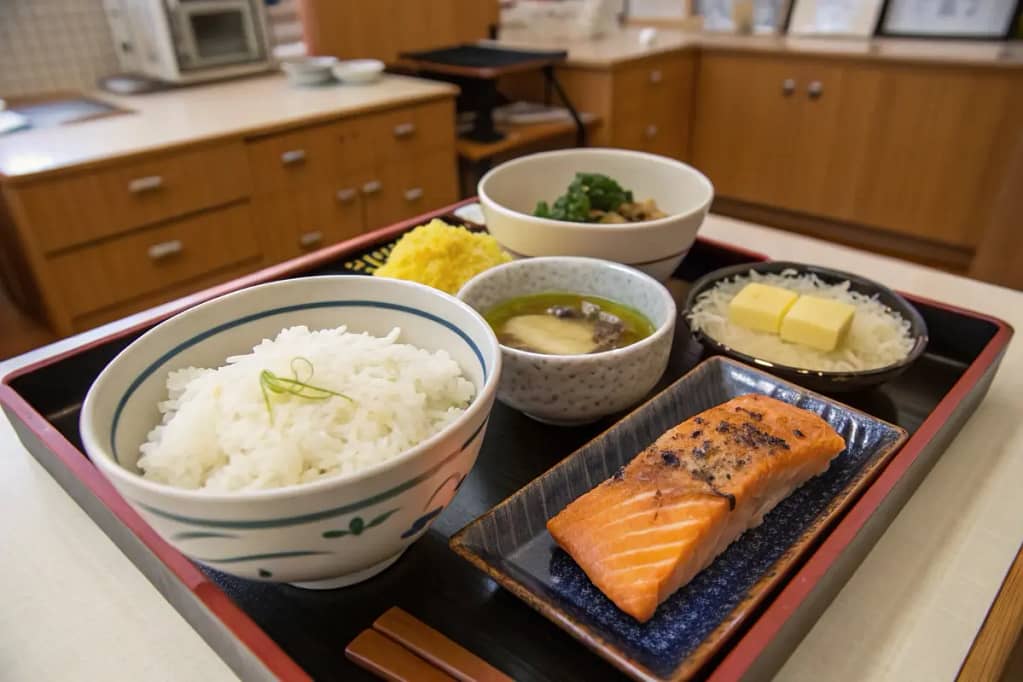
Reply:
x=509, y=194
x=328, y=533
x=566, y=390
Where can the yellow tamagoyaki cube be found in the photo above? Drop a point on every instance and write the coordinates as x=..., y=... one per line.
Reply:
x=820, y=323
x=761, y=307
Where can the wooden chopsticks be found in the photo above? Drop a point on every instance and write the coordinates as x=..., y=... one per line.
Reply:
x=402, y=648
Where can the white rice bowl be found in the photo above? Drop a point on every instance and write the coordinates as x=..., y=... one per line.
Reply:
x=221, y=432
x=879, y=337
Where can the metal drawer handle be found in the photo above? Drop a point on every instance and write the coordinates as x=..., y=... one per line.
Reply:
x=656, y=76
x=788, y=86
x=372, y=187
x=651, y=131
x=310, y=239
x=404, y=129
x=293, y=156
x=163, y=250
x=346, y=195
x=146, y=184
x=414, y=194
x=815, y=89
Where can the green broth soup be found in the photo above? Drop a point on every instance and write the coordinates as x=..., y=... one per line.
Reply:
x=558, y=323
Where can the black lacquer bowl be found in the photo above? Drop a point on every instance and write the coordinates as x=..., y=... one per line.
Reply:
x=826, y=382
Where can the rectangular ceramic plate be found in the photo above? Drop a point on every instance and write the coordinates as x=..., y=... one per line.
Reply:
x=511, y=542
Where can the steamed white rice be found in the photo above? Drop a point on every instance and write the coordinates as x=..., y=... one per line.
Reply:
x=877, y=338
x=217, y=433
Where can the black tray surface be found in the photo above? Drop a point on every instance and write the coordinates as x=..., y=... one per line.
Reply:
x=430, y=581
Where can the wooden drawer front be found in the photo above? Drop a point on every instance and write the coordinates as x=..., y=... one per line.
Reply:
x=101, y=203
x=412, y=188
x=411, y=131
x=293, y=161
x=659, y=83
x=98, y=276
x=297, y=222
x=664, y=133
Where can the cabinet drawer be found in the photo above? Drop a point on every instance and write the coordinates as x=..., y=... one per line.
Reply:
x=293, y=223
x=293, y=160
x=95, y=204
x=656, y=83
x=412, y=188
x=665, y=133
x=411, y=131
x=95, y=277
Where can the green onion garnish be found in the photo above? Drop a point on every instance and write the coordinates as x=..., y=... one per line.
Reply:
x=271, y=383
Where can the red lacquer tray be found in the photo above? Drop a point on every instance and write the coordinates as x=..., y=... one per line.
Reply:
x=266, y=631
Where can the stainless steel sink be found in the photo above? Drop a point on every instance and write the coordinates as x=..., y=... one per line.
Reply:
x=48, y=112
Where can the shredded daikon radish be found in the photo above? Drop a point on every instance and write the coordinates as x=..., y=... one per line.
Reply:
x=878, y=337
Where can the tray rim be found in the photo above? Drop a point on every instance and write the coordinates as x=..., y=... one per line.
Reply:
x=737, y=661
x=776, y=575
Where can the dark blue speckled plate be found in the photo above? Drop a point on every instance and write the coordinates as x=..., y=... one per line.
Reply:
x=512, y=545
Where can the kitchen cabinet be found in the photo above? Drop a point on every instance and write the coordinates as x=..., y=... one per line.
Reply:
x=938, y=147
x=87, y=245
x=85, y=207
x=322, y=184
x=643, y=104
x=115, y=271
x=744, y=115
x=908, y=149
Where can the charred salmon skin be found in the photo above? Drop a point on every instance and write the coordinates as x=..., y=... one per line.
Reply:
x=665, y=516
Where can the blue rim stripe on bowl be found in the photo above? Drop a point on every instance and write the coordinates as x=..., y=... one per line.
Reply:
x=201, y=535
x=148, y=371
x=321, y=515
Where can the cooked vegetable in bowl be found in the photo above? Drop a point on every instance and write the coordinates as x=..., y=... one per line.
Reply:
x=566, y=324
x=597, y=198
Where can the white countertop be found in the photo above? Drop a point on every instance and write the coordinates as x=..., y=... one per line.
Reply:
x=199, y=113
x=76, y=608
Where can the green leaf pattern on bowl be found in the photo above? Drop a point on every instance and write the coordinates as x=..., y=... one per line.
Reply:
x=357, y=526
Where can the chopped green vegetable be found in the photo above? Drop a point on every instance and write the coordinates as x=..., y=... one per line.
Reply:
x=587, y=192
x=605, y=193
x=271, y=383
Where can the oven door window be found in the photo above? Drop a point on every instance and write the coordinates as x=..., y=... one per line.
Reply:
x=219, y=37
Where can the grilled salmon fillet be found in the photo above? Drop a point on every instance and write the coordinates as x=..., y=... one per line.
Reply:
x=662, y=518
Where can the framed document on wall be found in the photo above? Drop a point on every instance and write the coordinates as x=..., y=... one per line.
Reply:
x=857, y=18
x=983, y=19
x=768, y=15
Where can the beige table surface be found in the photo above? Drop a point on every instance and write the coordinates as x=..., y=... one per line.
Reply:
x=74, y=608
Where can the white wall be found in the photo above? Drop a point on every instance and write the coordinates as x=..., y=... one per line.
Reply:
x=50, y=45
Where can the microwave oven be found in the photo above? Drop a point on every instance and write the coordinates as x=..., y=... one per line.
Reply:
x=185, y=41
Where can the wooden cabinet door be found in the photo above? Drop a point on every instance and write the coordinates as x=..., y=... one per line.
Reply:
x=399, y=191
x=937, y=147
x=837, y=109
x=423, y=184
x=294, y=222
x=652, y=105
x=380, y=199
x=745, y=124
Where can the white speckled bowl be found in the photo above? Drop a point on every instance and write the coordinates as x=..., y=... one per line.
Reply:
x=576, y=389
x=509, y=192
x=328, y=533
